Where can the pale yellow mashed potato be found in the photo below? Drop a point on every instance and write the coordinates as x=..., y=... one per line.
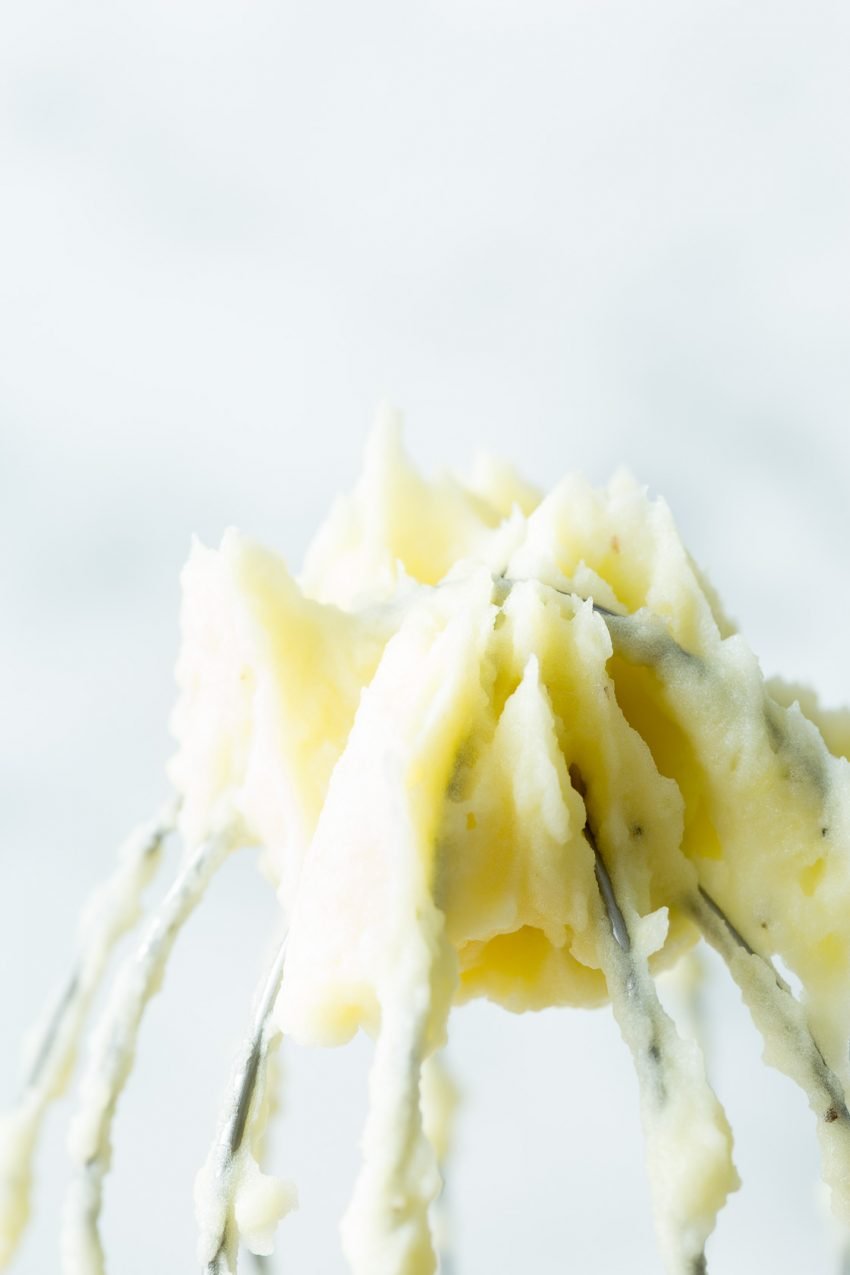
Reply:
x=474, y=704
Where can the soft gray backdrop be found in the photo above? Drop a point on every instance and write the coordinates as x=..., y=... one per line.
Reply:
x=575, y=233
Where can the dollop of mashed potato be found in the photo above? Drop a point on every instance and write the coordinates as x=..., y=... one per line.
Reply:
x=476, y=707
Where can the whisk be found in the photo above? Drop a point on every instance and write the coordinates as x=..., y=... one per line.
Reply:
x=492, y=745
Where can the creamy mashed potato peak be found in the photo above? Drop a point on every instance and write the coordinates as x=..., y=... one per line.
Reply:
x=281, y=683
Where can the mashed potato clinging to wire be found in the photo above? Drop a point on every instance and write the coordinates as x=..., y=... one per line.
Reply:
x=491, y=744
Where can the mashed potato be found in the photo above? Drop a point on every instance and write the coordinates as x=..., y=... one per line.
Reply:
x=498, y=744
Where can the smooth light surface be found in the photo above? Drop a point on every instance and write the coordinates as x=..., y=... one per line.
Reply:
x=576, y=234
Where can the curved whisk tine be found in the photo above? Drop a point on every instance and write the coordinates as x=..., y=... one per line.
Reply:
x=439, y=1097
x=112, y=1055
x=674, y=1092
x=780, y=1017
x=219, y=1181
x=112, y=910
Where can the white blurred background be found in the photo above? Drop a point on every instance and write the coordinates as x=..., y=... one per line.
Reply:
x=578, y=234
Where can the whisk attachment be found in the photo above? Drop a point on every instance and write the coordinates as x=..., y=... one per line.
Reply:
x=393, y=731
x=677, y=1103
x=230, y=1166
x=112, y=910
x=112, y=1055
